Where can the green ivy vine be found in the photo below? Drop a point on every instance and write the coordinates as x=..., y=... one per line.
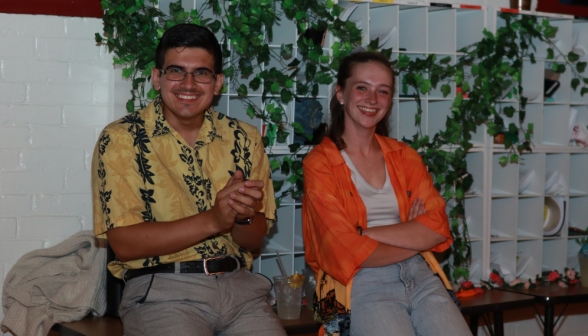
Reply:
x=132, y=29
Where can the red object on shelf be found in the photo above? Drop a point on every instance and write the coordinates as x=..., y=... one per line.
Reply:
x=509, y=10
x=82, y=8
x=470, y=6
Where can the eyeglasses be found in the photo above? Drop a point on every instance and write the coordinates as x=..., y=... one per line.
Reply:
x=203, y=76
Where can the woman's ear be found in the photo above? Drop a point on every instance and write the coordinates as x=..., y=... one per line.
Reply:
x=339, y=94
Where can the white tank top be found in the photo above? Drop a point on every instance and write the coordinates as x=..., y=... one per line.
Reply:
x=381, y=204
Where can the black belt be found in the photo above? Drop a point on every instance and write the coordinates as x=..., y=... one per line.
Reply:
x=209, y=266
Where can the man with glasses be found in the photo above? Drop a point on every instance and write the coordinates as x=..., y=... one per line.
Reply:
x=183, y=193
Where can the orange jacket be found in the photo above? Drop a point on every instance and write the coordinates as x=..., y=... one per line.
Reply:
x=332, y=210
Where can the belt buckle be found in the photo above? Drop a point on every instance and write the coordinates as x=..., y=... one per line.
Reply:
x=206, y=260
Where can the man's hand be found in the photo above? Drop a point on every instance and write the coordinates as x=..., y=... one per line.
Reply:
x=239, y=199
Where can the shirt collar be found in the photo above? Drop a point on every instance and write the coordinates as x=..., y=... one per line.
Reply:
x=157, y=125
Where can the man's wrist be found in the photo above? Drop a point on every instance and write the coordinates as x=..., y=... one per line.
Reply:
x=246, y=221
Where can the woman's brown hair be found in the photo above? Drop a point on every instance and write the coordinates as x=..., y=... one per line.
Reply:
x=337, y=125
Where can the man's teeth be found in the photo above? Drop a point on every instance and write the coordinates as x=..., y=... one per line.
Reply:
x=186, y=96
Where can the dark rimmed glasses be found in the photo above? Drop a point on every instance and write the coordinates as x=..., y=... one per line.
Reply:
x=203, y=76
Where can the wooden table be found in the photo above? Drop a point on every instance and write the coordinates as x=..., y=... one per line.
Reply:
x=112, y=326
x=493, y=302
x=551, y=295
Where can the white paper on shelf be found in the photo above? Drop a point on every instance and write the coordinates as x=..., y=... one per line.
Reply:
x=474, y=265
x=494, y=256
x=573, y=116
x=384, y=34
x=523, y=260
x=525, y=179
x=347, y=12
x=473, y=191
x=550, y=180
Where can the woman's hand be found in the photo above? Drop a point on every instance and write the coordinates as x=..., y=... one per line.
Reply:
x=417, y=208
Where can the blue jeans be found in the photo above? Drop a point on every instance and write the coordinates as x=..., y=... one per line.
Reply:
x=405, y=298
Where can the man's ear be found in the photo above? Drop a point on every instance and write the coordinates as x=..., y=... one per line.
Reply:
x=155, y=77
x=218, y=83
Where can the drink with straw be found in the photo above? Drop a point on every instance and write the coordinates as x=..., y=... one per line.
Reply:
x=289, y=295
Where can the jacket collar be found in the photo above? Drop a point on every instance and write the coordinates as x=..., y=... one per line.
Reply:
x=334, y=155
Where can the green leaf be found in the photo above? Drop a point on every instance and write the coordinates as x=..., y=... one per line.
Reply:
x=130, y=106
x=573, y=57
x=285, y=96
x=583, y=91
x=550, y=54
x=274, y=165
x=509, y=111
x=425, y=86
x=277, y=184
x=242, y=90
x=152, y=93
x=275, y=87
x=98, y=38
x=250, y=112
x=503, y=161
x=581, y=66
x=575, y=83
x=514, y=158
x=445, y=90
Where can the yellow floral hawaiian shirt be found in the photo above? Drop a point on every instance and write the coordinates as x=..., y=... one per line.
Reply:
x=144, y=171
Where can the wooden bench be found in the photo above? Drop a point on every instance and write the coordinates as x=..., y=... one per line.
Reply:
x=112, y=326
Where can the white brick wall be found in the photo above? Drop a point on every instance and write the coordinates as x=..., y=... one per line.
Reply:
x=56, y=94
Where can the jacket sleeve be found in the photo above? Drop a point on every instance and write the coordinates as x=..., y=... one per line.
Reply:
x=331, y=240
x=420, y=184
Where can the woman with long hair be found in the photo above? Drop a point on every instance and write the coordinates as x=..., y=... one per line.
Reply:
x=371, y=217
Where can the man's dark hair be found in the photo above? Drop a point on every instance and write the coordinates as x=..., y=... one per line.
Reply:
x=337, y=126
x=189, y=36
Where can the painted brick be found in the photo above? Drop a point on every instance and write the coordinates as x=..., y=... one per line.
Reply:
x=63, y=205
x=32, y=70
x=7, y=228
x=76, y=27
x=12, y=250
x=14, y=137
x=31, y=182
x=16, y=205
x=68, y=49
x=91, y=72
x=13, y=93
x=9, y=160
x=85, y=115
x=46, y=227
x=78, y=181
x=60, y=94
x=102, y=94
x=53, y=159
x=17, y=46
x=38, y=25
x=30, y=114
x=63, y=137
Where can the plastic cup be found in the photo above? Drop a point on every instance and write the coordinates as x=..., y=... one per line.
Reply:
x=309, y=286
x=289, y=298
